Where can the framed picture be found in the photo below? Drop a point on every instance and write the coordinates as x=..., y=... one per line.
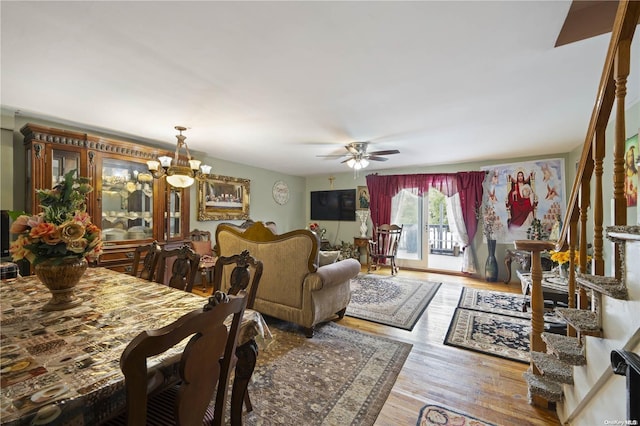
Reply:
x=515, y=194
x=362, y=202
x=223, y=198
x=631, y=156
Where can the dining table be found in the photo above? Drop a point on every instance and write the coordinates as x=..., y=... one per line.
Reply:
x=63, y=367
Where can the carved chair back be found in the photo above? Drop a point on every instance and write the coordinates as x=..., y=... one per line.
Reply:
x=186, y=403
x=240, y=278
x=177, y=268
x=149, y=254
x=384, y=246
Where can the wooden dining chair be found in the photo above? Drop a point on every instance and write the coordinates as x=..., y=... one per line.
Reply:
x=148, y=253
x=202, y=244
x=188, y=402
x=383, y=246
x=177, y=268
x=240, y=279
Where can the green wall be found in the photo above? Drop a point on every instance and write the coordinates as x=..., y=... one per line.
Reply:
x=295, y=214
x=262, y=206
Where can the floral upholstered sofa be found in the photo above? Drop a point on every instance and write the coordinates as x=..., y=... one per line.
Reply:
x=293, y=287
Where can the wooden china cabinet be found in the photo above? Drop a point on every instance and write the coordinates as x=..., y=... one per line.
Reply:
x=127, y=203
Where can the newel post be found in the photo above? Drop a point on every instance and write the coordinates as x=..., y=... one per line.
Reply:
x=537, y=301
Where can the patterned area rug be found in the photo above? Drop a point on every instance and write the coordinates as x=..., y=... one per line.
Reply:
x=340, y=376
x=492, y=322
x=390, y=300
x=493, y=334
x=501, y=303
x=493, y=301
x=435, y=415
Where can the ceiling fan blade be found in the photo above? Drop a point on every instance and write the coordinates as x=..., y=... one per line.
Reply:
x=376, y=158
x=351, y=149
x=332, y=155
x=385, y=152
x=344, y=161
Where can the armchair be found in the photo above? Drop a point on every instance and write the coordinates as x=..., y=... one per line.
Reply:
x=293, y=287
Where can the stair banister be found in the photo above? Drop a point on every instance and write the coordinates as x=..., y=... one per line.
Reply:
x=612, y=88
x=627, y=363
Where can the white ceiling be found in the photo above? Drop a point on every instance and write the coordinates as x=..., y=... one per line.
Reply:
x=274, y=84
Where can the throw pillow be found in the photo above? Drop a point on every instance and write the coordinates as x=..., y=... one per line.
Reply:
x=328, y=257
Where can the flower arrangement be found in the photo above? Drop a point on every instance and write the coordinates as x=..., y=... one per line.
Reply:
x=562, y=257
x=314, y=227
x=63, y=229
x=491, y=222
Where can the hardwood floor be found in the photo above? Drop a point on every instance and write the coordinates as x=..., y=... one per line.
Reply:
x=486, y=387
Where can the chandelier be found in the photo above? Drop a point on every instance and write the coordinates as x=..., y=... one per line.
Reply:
x=177, y=175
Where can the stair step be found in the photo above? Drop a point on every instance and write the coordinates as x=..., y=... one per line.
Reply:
x=552, y=368
x=543, y=387
x=622, y=233
x=565, y=348
x=609, y=286
x=583, y=320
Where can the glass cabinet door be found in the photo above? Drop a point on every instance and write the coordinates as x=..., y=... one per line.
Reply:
x=127, y=200
x=174, y=213
x=62, y=162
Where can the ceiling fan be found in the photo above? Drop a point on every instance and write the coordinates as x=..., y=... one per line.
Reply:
x=358, y=157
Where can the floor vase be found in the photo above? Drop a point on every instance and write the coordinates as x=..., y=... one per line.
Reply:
x=61, y=278
x=491, y=265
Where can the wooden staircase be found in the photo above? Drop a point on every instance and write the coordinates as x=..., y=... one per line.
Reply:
x=568, y=360
x=574, y=371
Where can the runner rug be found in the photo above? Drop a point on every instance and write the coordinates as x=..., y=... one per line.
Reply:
x=390, y=300
x=341, y=376
x=492, y=322
x=435, y=415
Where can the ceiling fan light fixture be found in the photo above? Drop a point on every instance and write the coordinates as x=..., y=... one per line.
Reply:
x=351, y=162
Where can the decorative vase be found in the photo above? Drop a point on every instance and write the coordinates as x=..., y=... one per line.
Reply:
x=563, y=271
x=491, y=265
x=363, y=215
x=61, y=277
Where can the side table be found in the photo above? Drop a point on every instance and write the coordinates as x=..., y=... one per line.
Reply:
x=554, y=287
x=361, y=242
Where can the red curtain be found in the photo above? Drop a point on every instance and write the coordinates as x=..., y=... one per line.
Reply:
x=469, y=184
x=470, y=190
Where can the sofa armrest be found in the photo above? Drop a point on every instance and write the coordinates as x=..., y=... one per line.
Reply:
x=338, y=272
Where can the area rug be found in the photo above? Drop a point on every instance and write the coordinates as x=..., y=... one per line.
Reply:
x=341, y=376
x=390, y=300
x=502, y=303
x=435, y=415
x=496, y=302
x=493, y=334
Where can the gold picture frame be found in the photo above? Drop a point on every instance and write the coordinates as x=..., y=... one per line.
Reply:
x=223, y=198
x=362, y=200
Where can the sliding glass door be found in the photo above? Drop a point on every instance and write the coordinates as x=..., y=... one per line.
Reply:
x=427, y=241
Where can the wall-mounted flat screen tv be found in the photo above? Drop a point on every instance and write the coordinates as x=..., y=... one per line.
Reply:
x=333, y=205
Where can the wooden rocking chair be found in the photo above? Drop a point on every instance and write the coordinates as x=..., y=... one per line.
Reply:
x=383, y=247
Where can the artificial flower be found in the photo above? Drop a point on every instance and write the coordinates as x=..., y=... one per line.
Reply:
x=62, y=230
x=562, y=257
